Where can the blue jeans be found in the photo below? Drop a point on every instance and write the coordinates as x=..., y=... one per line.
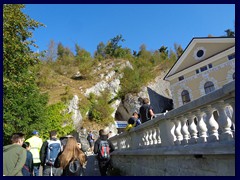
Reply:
x=36, y=167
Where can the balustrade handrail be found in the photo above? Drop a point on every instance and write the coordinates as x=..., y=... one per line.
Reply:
x=177, y=126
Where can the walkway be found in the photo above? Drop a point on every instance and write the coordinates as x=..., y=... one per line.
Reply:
x=92, y=166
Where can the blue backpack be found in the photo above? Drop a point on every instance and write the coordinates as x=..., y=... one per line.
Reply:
x=53, y=149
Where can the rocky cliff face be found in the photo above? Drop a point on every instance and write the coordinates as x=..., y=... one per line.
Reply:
x=158, y=91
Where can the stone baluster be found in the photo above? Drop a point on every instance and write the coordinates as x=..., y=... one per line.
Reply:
x=185, y=132
x=177, y=131
x=121, y=144
x=211, y=123
x=154, y=136
x=202, y=128
x=158, y=135
x=150, y=137
x=224, y=121
x=192, y=128
x=142, y=139
x=146, y=138
x=136, y=140
x=231, y=102
x=118, y=144
x=125, y=142
x=128, y=140
x=140, y=136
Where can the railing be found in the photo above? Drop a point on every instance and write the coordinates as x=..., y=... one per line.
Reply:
x=208, y=119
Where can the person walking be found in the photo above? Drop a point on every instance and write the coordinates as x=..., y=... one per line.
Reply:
x=146, y=111
x=14, y=156
x=132, y=121
x=48, y=154
x=27, y=169
x=91, y=141
x=36, y=144
x=71, y=159
x=103, y=147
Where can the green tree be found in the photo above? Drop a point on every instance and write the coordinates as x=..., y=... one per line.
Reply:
x=57, y=118
x=229, y=33
x=100, y=108
x=23, y=104
x=113, y=46
x=164, y=52
x=178, y=49
x=144, y=53
x=60, y=51
x=100, y=53
x=81, y=54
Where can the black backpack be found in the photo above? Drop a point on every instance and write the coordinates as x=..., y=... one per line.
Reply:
x=74, y=169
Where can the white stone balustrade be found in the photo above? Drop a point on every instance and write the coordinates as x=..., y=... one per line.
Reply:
x=177, y=127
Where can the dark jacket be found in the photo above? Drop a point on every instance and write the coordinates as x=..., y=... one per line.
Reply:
x=144, y=112
x=14, y=157
x=97, y=143
x=27, y=169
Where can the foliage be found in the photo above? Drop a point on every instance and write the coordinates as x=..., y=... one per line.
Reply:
x=229, y=33
x=100, y=108
x=23, y=104
x=113, y=49
x=113, y=46
x=100, y=53
x=66, y=96
x=178, y=49
x=81, y=54
x=64, y=55
x=57, y=118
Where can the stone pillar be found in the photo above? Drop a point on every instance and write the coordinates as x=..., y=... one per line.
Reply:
x=192, y=128
x=185, y=131
x=211, y=123
x=231, y=102
x=224, y=121
x=202, y=128
x=166, y=134
x=177, y=131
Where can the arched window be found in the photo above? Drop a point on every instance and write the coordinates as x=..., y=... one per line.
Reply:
x=209, y=87
x=185, y=96
x=233, y=76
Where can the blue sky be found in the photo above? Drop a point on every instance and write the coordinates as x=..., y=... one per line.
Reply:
x=151, y=24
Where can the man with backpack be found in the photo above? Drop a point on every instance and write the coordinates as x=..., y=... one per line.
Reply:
x=48, y=154
x=103, y=147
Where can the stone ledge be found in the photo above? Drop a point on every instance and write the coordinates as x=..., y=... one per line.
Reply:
x=216, y=148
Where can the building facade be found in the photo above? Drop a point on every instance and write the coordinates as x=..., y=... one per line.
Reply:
x=205, y=66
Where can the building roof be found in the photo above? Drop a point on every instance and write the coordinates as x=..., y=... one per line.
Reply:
x=198, y=50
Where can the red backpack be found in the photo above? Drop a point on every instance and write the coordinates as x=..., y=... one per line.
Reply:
x=104, y=150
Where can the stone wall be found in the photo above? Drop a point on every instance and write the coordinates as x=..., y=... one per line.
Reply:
x=216, y=160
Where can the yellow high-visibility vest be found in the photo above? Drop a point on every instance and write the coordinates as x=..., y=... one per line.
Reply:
x=36, y=144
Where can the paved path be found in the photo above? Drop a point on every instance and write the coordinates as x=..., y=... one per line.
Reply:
x=92, y=166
